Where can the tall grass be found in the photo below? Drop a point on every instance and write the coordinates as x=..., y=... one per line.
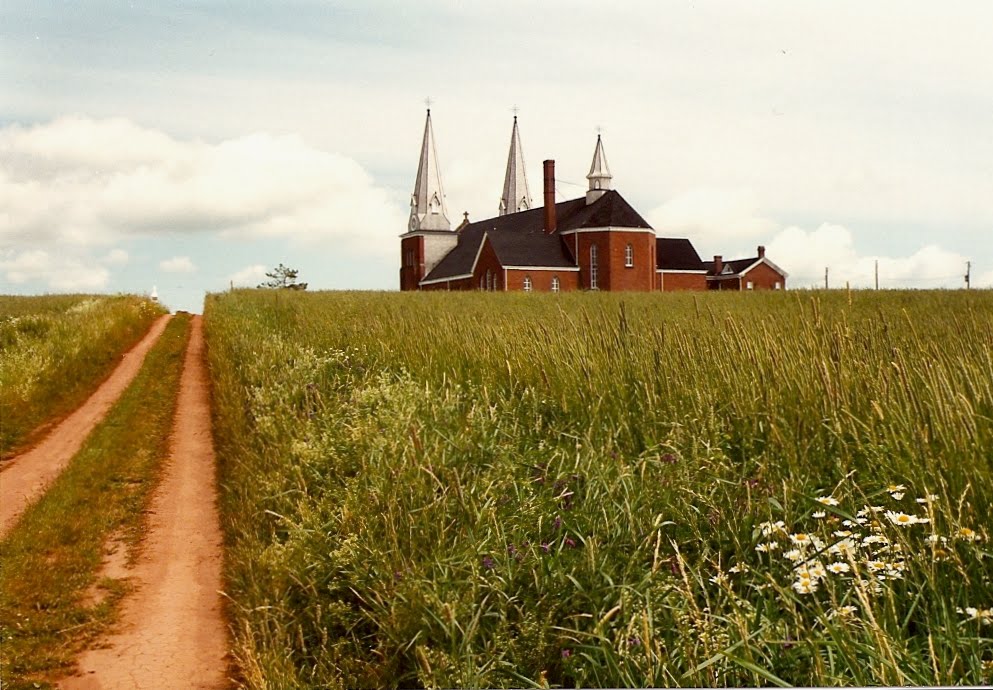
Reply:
x=599, y=490
x=55, y=349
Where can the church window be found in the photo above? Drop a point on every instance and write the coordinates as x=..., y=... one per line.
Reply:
x=629, y=256
x=435, y=204
x=748, y=285
x=555, y=283
x=593, y=267
x=778, y=285
x=481, y=282
x=527, y=283
x=489, y=280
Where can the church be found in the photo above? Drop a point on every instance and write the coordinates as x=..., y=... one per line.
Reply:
x=595, y=242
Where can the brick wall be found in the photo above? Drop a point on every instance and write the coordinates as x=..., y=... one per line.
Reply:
x=411, y=274
x=612, y=274
x=670, y=282
x=763, y=277
x=541, y=281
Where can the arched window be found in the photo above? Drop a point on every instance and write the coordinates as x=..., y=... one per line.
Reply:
x=555, y=283
x=629, y=256
x=593, y=267
x=481, y=279
x=489, y=279
x=527, y=283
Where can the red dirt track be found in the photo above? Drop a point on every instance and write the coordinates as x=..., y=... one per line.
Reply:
x=171, y=632
x=25, y=477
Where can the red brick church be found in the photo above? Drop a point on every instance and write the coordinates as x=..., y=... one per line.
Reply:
x=595, y=242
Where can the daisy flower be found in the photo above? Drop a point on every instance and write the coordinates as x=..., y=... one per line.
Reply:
x=818, y=514
x=901, y=519
x=838, y=568
x=827, y=500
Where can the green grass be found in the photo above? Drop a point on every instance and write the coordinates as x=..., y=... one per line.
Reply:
x=54, y=350
x=53, y=555
x=516, y=490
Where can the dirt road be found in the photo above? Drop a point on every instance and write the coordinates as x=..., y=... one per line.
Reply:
x=172, y=633
x=26, y=477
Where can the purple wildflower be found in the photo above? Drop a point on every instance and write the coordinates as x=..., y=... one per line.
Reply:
x=546, y=547
x=488, y=563
x=669, y=459
x=557, y=523
x=570, y=542
x=566, y=653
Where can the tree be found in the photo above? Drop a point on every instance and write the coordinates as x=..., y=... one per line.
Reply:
x=284, y=278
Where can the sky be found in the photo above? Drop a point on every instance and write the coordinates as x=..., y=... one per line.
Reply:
x=192, y=146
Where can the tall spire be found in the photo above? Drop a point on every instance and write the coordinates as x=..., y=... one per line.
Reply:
x=516, y=195
x=427, y=203
x=599, y=176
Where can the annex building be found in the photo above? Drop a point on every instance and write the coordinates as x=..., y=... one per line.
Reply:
x=595, y=242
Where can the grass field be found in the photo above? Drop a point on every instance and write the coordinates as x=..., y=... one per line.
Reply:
x=605, y=490
x=52, y=599
x=55, y=349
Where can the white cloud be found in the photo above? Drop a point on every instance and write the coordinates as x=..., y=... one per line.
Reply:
x=57, y=272
x=116, y=257
x=177, y=264
x=805, y=254
x=250, y=276
x=711, y=215
x=984, y=281
x=78, y=182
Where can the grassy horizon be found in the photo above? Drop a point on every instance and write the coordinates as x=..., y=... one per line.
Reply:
x=55, y=350
x=606, y=490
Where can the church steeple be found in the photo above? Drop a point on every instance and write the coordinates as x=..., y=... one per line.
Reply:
x=516, y=195
x=427, y=203
x=599, y=176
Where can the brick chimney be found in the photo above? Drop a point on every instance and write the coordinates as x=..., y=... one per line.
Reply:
x=718, y=264
x=761, y=252
x=550, y=220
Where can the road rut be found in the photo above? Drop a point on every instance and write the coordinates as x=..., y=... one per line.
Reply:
x=172, y=632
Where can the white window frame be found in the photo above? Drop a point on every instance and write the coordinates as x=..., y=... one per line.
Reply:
x=527, y=283
x=629, y=256
x=594, y=269
x=749, y=285
x=778, y=285
x=555, y=283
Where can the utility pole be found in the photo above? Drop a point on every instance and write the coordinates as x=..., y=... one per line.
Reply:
x=825, y=277
x=877, y=274
x=968, y=271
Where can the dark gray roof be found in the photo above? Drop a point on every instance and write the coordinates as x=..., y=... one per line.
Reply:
x=676, y=254
x=519, y=238
x=737, y=265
